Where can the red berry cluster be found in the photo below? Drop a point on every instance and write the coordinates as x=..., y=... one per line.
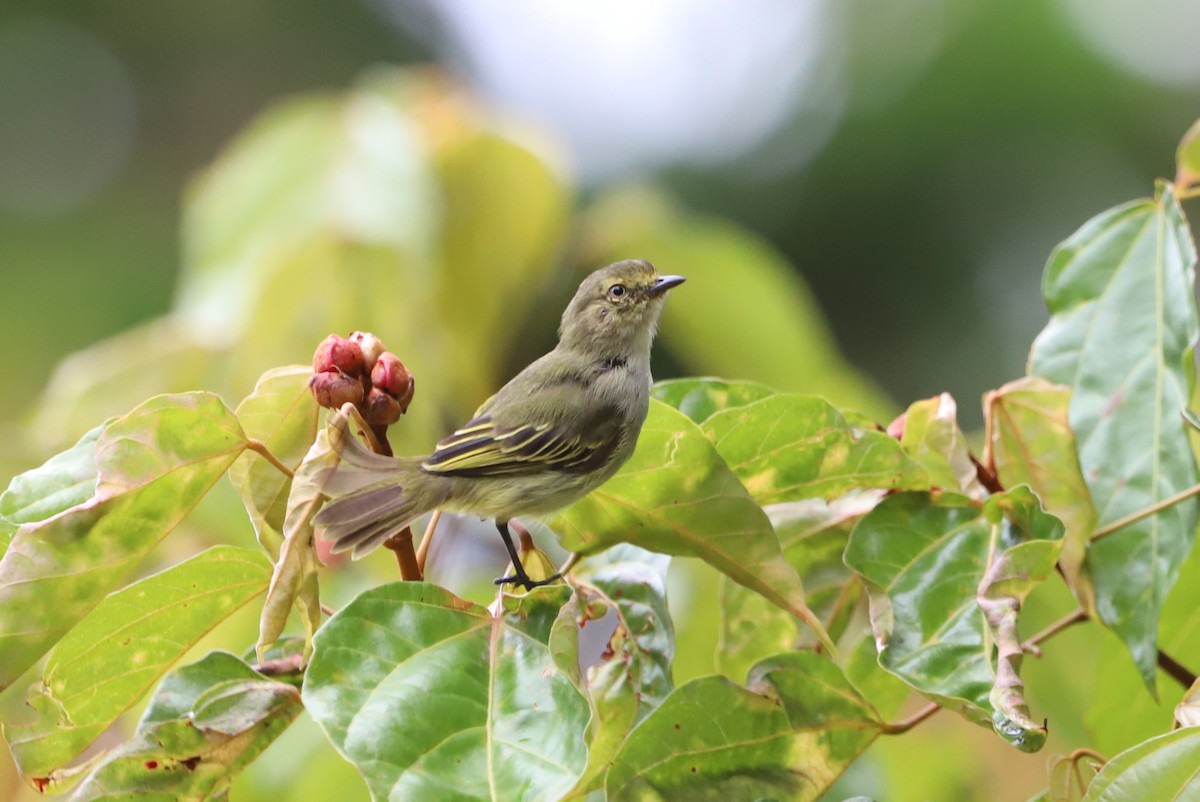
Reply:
x=357, y=370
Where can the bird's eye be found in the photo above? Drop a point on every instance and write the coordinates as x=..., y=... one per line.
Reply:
x=616, y=291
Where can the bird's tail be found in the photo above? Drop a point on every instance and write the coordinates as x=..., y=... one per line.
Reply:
x=373, y=498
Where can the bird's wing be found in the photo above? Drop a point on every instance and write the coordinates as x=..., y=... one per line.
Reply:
x=485, y=448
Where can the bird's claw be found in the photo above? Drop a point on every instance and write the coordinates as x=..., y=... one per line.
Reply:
x=524, y=581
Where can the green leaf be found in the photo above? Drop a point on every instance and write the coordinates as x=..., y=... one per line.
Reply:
x=206, y=722
x=787, y=736
x=699, y=399
x=116, y=653
x=115, y=375
x=741, y=295
x=792, y=447
x=1030, y=442
x=432, y=697
x=676, y=496
x=153, y=465
x=62, y=482
x=932, y=438
x=932, y=562
x=1121, y=335
x=1187, y=158
x=813, y=535
x=1166, y=767
x=282, y=414
x=634, y=672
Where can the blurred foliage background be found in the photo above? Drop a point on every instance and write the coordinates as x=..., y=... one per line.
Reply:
x=864, y=194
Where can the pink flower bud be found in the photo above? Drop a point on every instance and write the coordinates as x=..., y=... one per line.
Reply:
x=371, y=347
x=336, y=354
x=896, y=428
x=333, y=389
x=390, y=376
x=380, y=409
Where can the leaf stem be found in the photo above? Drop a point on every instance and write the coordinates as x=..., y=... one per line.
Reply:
x=325, y=608
x=1153, y=509
x=401, y=544
x=427, y=540
x=904, y=725
x=1175, y=670
x=1031, y=645
x=293, y=664
x=1187, y=194
x=260, y=448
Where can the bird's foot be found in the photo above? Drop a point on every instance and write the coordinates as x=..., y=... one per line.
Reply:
x=522, y=579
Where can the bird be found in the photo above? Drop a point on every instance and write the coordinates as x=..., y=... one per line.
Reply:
x=556, y=431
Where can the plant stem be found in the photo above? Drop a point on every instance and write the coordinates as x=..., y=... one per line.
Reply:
x=325, y=608
x=260, y=448
x=1153, y=509
x=904, y=725
x=401, y=544
x=282, y=665
x=427, y=540
x=1175, y=670
x=1187, y=194
x=1058, y=626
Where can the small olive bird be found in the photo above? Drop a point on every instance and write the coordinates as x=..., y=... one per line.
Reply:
x=555, y=432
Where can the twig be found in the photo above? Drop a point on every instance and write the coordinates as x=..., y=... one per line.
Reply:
x=987, y=476
x=1031, y=645
x=1153, y=509
x=904, y=725
x=427, y=540
x=401, y=544
x=260, y=448
x=1175, y=671
x=325, y=608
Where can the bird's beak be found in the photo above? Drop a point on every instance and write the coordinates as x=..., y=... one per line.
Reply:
x=664, y=283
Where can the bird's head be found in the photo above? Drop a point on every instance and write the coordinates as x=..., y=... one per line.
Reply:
x=615, y=310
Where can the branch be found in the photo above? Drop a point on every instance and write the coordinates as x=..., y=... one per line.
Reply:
x=401, y=544
x=1153, y=509
x=1031, y=645
x=904, y=725
x=260, y=448
x=1175, y=671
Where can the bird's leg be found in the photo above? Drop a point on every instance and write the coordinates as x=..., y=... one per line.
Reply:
x=519, y=577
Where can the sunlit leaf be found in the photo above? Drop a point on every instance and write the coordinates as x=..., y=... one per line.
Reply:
x=931, y=562
x=634, y=673
x=65, y=480
x=813, y=535
x=676, y=496
x=1121, y=335
x=787, y=736
x=205, y=723
x=932, y=437
x=504, y=213
x=740, y=296
x=699, y=399
x=115, y=375
x=154, y=465
x=282, y=414
x=793, y=447
x=113, y=656
x=433, y=697
x=1187, y=158
x=1030, y=442
x=1166, y=768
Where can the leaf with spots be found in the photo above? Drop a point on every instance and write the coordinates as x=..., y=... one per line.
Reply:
x=933, y=438
x=813, y=535
x=947, y=577
x=433, y=697
x=676, y=496
x=788, y=735
x=120, y=649
x=282, y=414
x=1123, y=326
x=634, y=672
x=700, y=399
x=1029, y=441
x=206, y=722
x=793, y=447
x=152, y=467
